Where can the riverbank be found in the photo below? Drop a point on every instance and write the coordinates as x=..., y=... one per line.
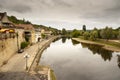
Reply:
x=105, y=46
x=37, y=69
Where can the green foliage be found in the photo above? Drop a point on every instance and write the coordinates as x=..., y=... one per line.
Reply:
x=27, y=38
x=118, y=35
x=24, y=44
x=64, y=32
x=106, y=33
x=94, y=35
x=43, y=35
x=92, y=38
x=18, y=21
x=75, y=33
x=86, y=35
x=52, y=75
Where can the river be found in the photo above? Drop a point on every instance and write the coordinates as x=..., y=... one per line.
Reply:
x=72, y=60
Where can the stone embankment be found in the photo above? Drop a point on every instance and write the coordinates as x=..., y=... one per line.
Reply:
x=9, y=46
x=36, y=57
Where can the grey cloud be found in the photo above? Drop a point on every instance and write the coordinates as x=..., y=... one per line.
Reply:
x=103, y=11
x=20, y=8
x=15, y=6
x=62, y=3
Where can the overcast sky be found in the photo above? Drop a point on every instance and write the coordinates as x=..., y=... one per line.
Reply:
x=69, y=14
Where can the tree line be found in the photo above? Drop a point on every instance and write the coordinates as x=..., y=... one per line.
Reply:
x=105, y=33
x=18, y=21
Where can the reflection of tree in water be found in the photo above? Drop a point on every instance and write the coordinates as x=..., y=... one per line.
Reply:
x=96, y=49
x=74, y=42
x=118, y=60
x=64, y=39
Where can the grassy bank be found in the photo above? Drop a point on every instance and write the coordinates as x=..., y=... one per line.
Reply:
x=109, y=45
x=114, y=44
x=52, y=75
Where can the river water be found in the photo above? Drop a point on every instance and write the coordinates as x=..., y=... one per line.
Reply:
x=72, y=60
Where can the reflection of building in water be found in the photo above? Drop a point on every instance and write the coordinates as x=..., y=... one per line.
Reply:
x=118, y=60
x=96, y=49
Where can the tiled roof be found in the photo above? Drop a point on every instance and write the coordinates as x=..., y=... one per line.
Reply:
x=25, y=26
x=6, y=20
x=1, y=16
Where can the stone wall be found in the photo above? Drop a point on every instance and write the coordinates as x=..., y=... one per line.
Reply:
x=9, y=47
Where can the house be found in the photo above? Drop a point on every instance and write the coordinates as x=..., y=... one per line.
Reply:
x=7, y=29
x=28, y=27
x=4, y=21
x=37, y=35
x=5, y=24
x=47, y=33
x=29, y=31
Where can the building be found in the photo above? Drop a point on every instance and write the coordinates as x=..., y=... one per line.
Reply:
x=37, y=35
x=4, y=21
x=7, y=29
x=47, y=33
x=29, y=31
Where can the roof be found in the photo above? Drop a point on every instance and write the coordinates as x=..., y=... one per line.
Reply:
x=2, y=15
x=4, y=18
x=25, y=26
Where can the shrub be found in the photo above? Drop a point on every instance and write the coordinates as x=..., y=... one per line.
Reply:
x=24, y=44
x=43, y=35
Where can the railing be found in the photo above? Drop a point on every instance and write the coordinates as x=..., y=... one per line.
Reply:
x=7, y=35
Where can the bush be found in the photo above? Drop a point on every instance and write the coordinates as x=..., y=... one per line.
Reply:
x=24, y=44
x=43, y=35
x=75, y=33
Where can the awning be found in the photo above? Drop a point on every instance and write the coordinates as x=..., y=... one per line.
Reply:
x=7, y=30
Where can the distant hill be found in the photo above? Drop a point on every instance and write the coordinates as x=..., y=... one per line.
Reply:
x=23, y=21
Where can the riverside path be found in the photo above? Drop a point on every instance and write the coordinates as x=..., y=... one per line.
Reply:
x=15, y=67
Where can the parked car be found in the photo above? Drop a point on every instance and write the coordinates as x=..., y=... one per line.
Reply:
x=20, y=50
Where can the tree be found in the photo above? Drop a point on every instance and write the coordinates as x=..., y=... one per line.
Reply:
x=75, y=33
x=84, y=27
x=43, y=35
x=106, y=33
x=119, y=34
x=86, y=35
x=18, y=21
x=13, y=19
x=94, y=35
x=64, y=32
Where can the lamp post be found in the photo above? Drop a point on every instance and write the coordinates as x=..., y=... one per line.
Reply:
x=26, y=56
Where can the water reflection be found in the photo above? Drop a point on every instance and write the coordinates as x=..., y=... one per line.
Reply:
x=64, y=39
x=79, y=62
x=74, y=42
x=56, y=39
x=118, y=60
x=96, y=49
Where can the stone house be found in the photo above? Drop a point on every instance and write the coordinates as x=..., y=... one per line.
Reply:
x=29, y=31
x=47, y=33
x=4, y=21
x=7, y=29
